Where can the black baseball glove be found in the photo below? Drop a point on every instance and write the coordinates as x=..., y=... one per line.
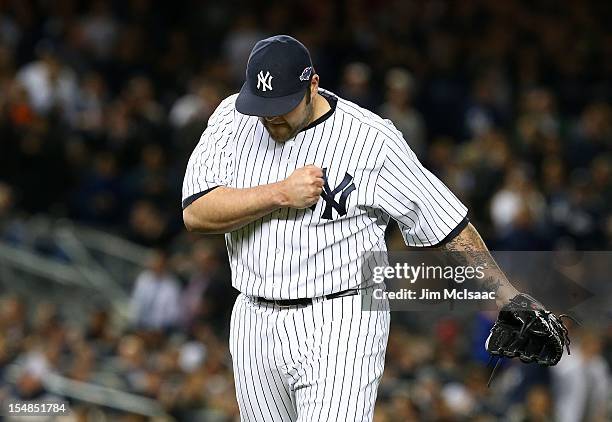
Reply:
x=526, y=330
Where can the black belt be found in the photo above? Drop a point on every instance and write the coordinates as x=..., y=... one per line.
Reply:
x=304, y=301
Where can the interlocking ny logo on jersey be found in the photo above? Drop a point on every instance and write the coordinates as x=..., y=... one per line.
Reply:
x=329, y=195
x=264, y=82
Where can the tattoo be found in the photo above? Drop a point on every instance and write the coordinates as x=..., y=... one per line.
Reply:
x=491, y=284
x=470, y=250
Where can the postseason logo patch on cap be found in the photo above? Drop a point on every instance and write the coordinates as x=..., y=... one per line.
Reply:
x=306, y=74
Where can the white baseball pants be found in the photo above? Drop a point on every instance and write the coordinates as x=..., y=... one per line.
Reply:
x=321, y=362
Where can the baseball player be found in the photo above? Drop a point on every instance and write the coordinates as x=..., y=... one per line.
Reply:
x=303, y=183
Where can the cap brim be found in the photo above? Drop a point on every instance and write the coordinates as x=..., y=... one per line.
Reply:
x=254, y=105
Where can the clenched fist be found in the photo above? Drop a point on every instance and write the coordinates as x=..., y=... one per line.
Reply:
x=303, y=188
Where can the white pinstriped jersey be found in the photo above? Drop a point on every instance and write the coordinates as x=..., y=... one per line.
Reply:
x=371, y=174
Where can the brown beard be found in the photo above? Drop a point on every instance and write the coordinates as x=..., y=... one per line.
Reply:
x=292, y=130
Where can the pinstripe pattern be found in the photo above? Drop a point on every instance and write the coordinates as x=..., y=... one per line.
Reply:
x=314, y=363
x=321, y=362
x=292, y=253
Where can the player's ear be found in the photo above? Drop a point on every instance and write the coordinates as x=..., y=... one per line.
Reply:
x=314, y=85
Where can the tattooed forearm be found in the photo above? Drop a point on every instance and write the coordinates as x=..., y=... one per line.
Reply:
x=470, y=249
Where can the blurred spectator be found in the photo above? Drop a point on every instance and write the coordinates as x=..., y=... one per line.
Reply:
x=29, y=387
x=240, y=40
x=593, y=134
x=539, y=116
x=523, y=233
x=99, y=332
x=207, y=296
x=131, y=362
x=582, y=382
x=537, y=408
x=100, y=30
x=139, y=97
x=356, y=86
x=195, y=106
x=151, y=179
x=399, y=109
x=18, y=107
x=518, y=193
x=6, y=203
x=488, y=105
x=13, y=320
x=98, y=198
x=190, y=113
x=49, y=83
x=90, y=106
x=148, y=225
x=155, y=303
x=580, y=213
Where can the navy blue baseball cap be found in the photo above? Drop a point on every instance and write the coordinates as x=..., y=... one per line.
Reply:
x=277, y=76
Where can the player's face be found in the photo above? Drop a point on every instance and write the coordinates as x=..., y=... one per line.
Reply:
x=285, y=127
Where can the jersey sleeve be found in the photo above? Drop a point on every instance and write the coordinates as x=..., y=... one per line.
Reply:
x=211, y=164
x=427, y=212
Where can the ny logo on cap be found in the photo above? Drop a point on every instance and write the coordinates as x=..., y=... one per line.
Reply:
x=264, y=81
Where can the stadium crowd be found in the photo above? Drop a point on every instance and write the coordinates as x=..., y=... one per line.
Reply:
x=102, y=102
